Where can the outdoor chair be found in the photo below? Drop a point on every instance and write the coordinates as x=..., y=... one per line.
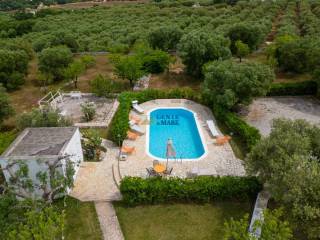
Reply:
x=212, y=128
x=168, y=171
x=137, y=107
x=127, y=149
x=151, y=172
x=136, y=128
x=132, y=135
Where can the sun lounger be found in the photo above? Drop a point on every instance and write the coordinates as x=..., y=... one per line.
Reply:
x=137, y=107
x=136, y=128
x=212, y=128
x=135, y=119
x=75, y=94
x=222, y=140
x=132, y=135
x=127, y=149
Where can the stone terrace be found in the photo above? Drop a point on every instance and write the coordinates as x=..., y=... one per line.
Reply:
x=220, y=160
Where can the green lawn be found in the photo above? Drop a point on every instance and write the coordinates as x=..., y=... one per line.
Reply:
x=81, y=220
x=178, y=221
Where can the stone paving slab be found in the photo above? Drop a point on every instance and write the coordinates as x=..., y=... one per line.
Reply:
x=108, y=221
x=220, y=160
x=94, y=181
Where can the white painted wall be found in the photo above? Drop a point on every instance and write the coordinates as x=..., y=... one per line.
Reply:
x=72, y=149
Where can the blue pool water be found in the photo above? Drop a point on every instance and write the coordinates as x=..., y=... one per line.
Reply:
x=179, y=125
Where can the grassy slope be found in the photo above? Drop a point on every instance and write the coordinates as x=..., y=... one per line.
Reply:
x=178, y=221
x=81, y=220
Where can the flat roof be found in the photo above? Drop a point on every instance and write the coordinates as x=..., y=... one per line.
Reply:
x=45, y=141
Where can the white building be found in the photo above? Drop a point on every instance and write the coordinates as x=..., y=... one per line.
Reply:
x=37, y=146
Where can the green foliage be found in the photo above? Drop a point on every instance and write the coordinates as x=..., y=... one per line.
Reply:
x=42, y=118
x=54, y=61
x=104, y=87
x=130, y=68
x=13, y=68
x=273, y=227
x=197, y=48
x=92, y=145
x=6, y=138
x=88, y=61
x=242, y=49
x=137, y=190
x=119, y=125
x=165, y=38
x=249, y=34
x=293, y=89
x=153, y=61
x=6, y=109
x=227, y=83
x=46, y=224
x=288, y=163
x=249, y=135
x=88, y=110
x=73, y=71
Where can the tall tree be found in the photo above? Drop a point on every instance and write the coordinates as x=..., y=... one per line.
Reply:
x=130, y=68
x=73, y=71
x=288, y=162
x=198, y=47
x=273, y=228
x=227, y=83
x=165, y=37
x=54, y=61
x=242, y=50
x=5, y=107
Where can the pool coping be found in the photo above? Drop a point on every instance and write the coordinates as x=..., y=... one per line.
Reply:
x=202, y=138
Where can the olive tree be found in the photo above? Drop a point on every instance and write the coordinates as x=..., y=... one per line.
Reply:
x=5, y=107
x=288, y=162
x=197, y=48
x=54, y=61
x=227, y=83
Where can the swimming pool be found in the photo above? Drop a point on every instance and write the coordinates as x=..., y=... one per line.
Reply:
x=179, y=125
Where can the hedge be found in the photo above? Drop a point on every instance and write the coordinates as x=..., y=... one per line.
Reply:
x=136, y=190
x=249, y=135
x=293, y=89
x=120, y=122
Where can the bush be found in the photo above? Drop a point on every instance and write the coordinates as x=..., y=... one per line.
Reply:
x=249, y=135
x=102, y=87
x=89, y=111
x=293, y=89
x=136, y=190
x=42, y=118
x=156, y=61
x=6, y=138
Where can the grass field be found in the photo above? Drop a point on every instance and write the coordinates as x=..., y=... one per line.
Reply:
x=81, y=220
x=178, y=221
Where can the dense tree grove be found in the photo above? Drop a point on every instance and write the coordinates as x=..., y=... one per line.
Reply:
x=5, y=107
x=288, y=162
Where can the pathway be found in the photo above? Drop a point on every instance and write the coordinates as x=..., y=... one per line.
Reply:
x=94, y=180
x=108, y=221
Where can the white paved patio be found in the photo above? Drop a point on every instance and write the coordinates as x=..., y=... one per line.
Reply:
x=220, y=160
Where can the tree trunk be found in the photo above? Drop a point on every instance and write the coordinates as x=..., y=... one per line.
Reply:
x=131, y=83
x=76, y=82
x=240, y=59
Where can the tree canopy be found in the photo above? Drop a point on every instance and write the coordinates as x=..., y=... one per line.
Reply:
x=288, y=162
x=5, y=107
x=227, y=83
x=165, y=38
x=54, y=61
x=197, y=48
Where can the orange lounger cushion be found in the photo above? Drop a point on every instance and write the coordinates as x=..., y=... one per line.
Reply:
x=127, y=149
x=132, y=135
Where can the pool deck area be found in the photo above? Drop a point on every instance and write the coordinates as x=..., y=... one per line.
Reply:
x=219, y=160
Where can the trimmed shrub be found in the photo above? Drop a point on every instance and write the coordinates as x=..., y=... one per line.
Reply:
x=249, y=135
x=293, y=89
x=202, y=189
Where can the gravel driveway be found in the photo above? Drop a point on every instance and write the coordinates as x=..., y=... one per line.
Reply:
x=263, y=110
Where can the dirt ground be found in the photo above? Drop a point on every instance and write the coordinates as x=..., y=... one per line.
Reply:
x=263, y=110
x=79, y=5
